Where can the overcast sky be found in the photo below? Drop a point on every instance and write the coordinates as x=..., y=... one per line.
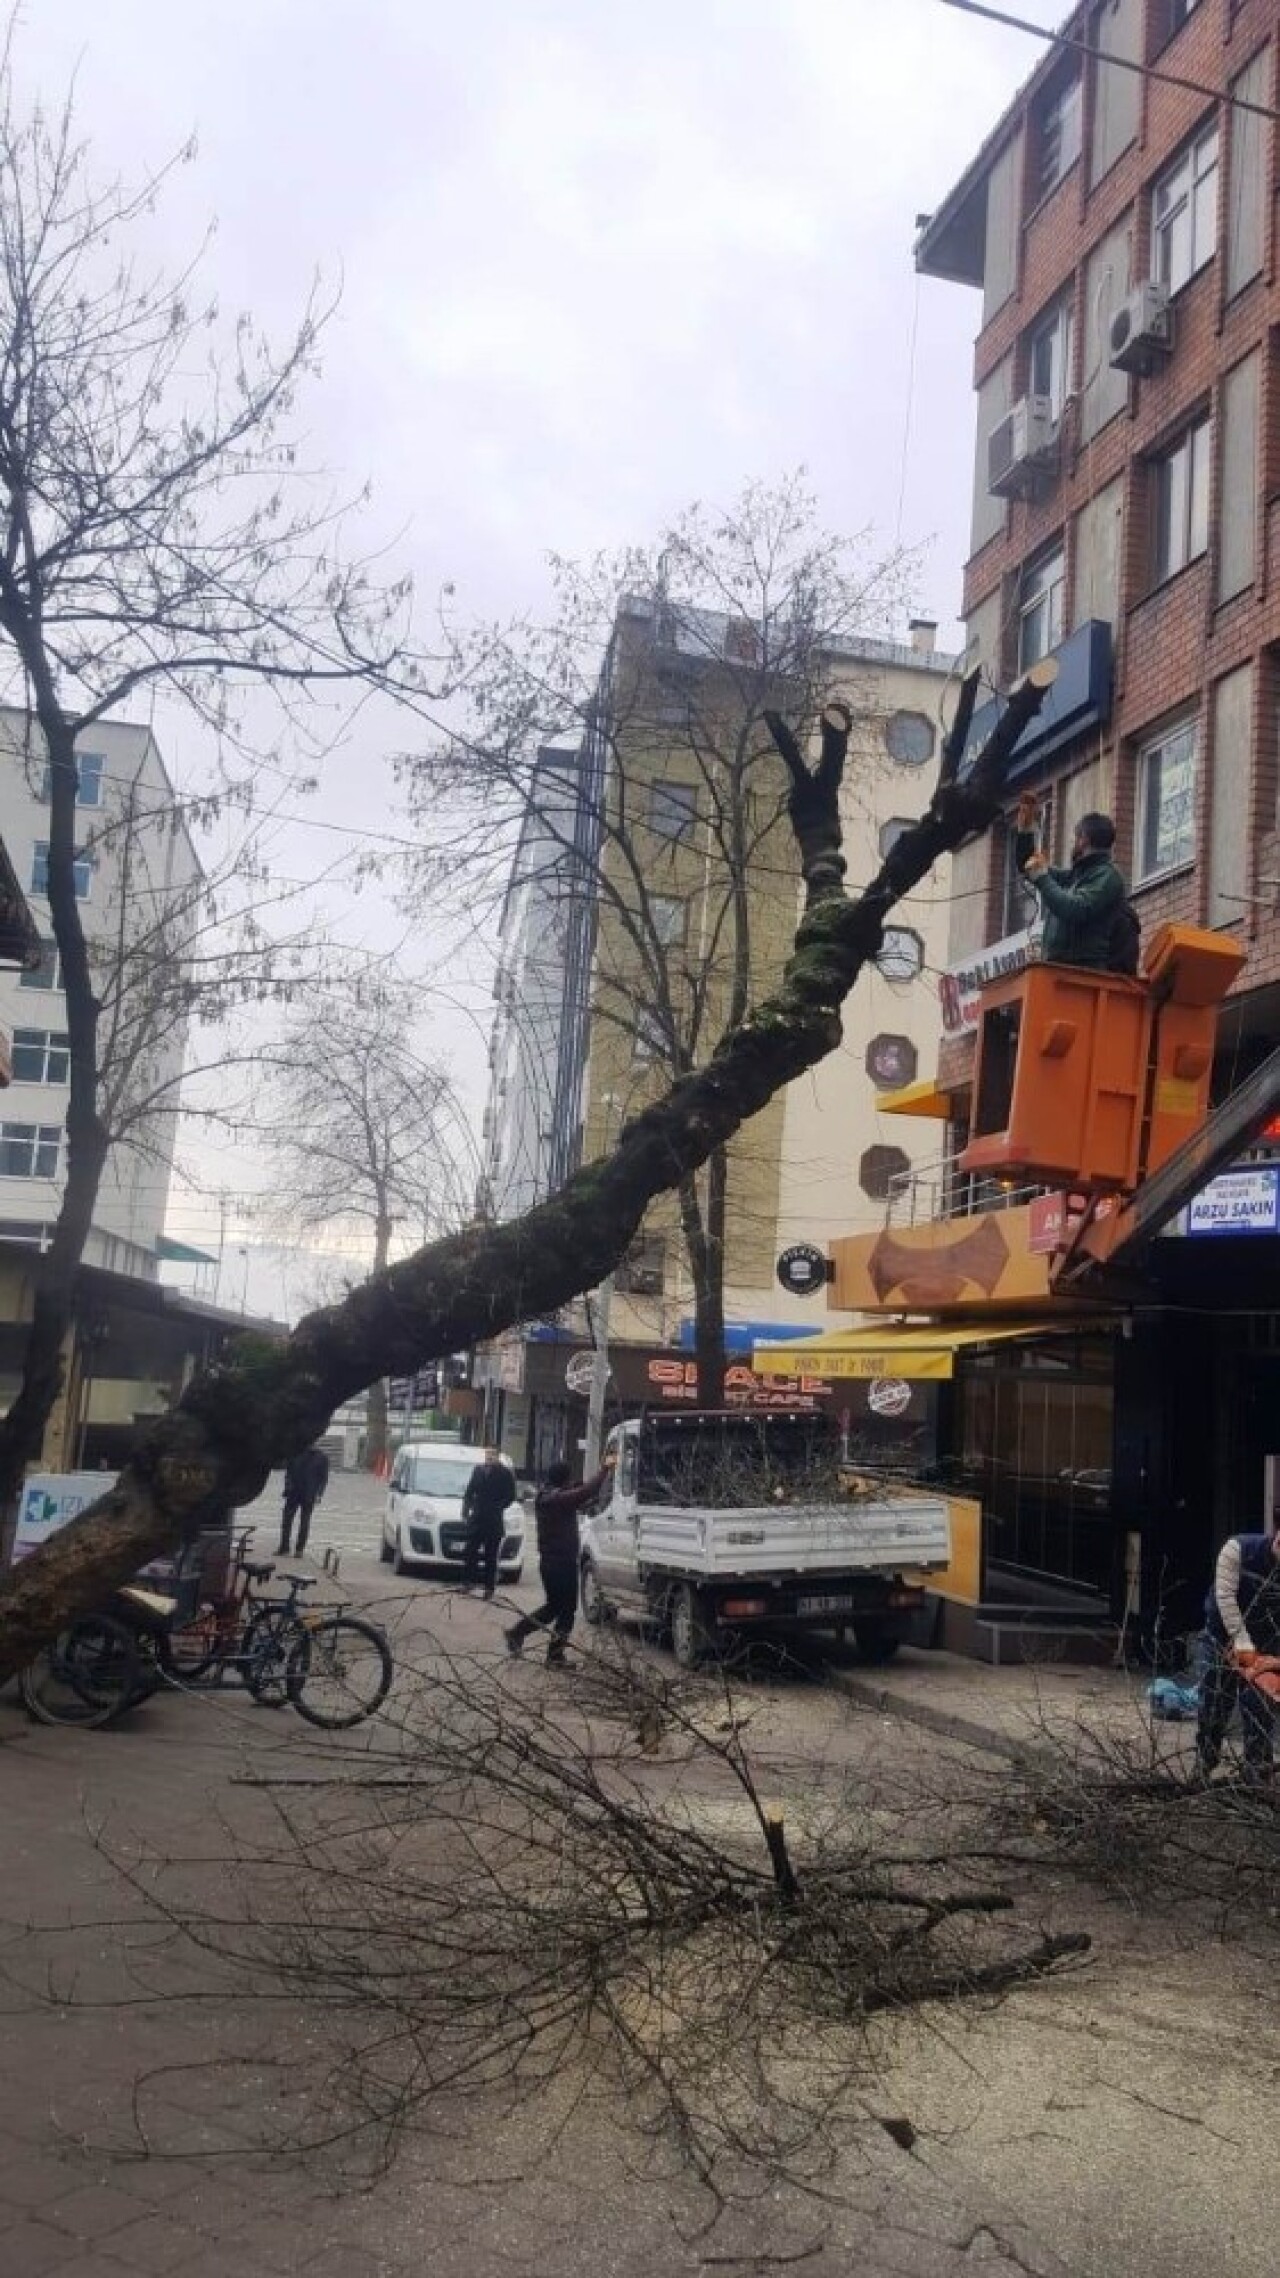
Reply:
x=597, y=260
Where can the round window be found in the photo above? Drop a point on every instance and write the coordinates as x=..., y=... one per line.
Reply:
x=878, y=1169
x=891, y=1062
x=909, y=738
x=890, y=833
x=901, y=953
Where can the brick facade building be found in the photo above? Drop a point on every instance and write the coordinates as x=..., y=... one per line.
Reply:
x=1121, y=226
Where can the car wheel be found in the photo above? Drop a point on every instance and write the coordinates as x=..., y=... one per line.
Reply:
x=690, y=1636
x=874, y=1642
x=595, y=1606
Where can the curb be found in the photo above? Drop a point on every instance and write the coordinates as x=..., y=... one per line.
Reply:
x=945, y=1722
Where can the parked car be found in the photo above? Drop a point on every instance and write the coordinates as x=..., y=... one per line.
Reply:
x=423, y=1527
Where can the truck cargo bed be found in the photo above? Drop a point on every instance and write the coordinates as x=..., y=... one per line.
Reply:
x=798, y=1538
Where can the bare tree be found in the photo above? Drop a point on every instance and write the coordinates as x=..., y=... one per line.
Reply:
x=154, y=533
x=674, y=832
x=218, y=1444
x=365, y=1132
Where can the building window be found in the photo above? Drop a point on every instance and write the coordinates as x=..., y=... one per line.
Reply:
x=29, y=1233
x=29, y=1150
x=1181, y=480
x=89, y=771
x=673, y=810
x=1169, y=18
x=891, y=832
x=48, y=973
x=40, y=1057
x=879, y=1168
x=741, y=641
x=892, y=1061
x=1167, y=801
x=901, y=953
x=1049, y=358
x=667, y=918
x=641, y=1270
x=1184, y=212
x=82, y=870
x=1041, y=606
x=1058, y=132
x=909, y=738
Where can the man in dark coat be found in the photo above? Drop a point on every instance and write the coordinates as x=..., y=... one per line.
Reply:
x=490, y=1492
x=1084, y=907
x=305, y=1478
x=556, y=1511
x=1241, y=1620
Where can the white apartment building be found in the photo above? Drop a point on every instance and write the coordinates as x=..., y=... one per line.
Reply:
x=138, y=879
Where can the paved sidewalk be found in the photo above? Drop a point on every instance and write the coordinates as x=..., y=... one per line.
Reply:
x=1010, y=1710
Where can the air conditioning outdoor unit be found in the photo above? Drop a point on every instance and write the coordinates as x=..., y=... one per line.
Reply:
x=1141, y=331
x=1022, y=448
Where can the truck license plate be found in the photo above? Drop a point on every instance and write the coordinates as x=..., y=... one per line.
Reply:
x=842, y=1605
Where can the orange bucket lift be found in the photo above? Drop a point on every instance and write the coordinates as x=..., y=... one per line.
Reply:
x=1090, y=1081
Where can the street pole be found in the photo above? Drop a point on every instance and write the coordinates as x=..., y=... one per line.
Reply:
x=599, y=1376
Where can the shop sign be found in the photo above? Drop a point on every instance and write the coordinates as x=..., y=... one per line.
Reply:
x=511, y=1364
x=51, y=1499
x=960, y=987
x=676, y=1382
x=802, y=1269
x=1238, y=1202
x=888, y=1396
x=579, y=1370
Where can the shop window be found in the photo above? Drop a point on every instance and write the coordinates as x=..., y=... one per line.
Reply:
x=1167, y=802
x=1042, y=606
x=1184, y=212
x=892, y=1061
x=878, y=1170
x=1180, y=482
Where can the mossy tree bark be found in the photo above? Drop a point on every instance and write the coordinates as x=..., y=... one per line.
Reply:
x=267, y=1401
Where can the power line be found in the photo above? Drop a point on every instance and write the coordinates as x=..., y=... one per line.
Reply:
x=1120, y=62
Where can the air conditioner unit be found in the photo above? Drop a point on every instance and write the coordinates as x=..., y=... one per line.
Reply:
x=1022, y=448
x=1141, y=331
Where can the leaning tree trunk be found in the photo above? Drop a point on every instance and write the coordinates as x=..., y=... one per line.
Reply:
x=269, y=1400
x=377, y=1437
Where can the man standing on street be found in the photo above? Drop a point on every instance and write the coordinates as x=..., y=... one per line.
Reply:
x=491, y=1490
x=1241, y=1621
x=556, y=1511
x=305, y=1478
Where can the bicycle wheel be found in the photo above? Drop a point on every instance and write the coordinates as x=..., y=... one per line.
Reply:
x=190, y=1654
x=88, y=1675
x=339, y=1671
x=263, y=1657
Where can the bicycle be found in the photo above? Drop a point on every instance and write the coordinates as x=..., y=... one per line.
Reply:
x=335, y=1668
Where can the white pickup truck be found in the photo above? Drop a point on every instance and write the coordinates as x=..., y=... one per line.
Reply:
x=718, y=1524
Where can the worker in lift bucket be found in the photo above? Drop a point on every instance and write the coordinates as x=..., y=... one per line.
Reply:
x=1088, y=917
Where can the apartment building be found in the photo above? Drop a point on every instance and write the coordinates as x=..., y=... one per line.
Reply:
x=1120, y=226
x=627, y=908
x=136, y=862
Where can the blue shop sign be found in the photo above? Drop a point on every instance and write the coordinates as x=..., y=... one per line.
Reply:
x=1080, y=698
x=741, y=1336
x=1238, y=1202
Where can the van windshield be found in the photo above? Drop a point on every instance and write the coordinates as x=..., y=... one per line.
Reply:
x=438, y=1475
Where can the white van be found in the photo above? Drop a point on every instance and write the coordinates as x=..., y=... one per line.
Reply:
x=423, y=1526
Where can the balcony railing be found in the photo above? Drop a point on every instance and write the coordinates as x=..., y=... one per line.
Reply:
x=940, y=1189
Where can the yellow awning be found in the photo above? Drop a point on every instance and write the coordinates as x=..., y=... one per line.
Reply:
x=924, y=1098
x=921, y=1355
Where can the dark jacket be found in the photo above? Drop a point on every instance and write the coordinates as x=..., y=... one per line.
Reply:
x=306, y=1476
x=1080, y=906
x=1248, y=1572
x=490, y=1491
x=556, y=1511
